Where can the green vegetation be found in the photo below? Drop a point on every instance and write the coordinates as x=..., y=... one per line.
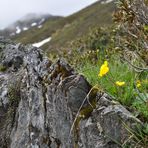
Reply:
x=130, y=94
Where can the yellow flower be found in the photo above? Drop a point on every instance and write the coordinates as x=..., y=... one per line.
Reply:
x=104, y=69
x=119, y=83
x=138, y=83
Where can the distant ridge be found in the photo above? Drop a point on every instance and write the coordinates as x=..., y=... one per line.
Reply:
x=26, y=23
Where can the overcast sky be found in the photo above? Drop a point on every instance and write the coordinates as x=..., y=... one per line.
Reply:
x=11, y=10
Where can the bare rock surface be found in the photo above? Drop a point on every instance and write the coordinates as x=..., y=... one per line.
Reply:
x=39, y=101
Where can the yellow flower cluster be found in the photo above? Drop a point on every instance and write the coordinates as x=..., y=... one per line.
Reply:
x=104, y=69
x=119, y=83
x=138, y=84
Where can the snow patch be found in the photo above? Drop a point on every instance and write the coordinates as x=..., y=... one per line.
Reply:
x=40, y=26
x=33, y=24
x=25, y=28
x=106, y=1
x=18, y=30
x=39, y=44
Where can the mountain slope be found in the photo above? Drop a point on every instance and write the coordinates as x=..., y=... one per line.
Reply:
x=69, y=28
x=29, y=21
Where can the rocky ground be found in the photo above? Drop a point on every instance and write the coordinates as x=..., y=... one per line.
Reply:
x=49, y=105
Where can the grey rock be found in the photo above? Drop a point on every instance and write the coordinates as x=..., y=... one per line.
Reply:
x=109, y=125
x=39, y=101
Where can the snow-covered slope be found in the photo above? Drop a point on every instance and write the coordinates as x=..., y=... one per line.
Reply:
x=41, y=43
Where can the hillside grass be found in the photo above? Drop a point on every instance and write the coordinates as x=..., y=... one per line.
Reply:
x=132, y=94
x=37, y=34
x=94, y=16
